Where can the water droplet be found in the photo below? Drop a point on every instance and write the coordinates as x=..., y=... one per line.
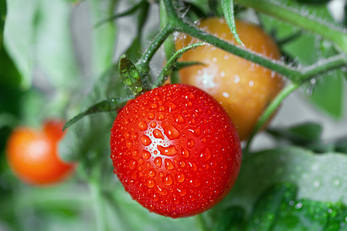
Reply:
x=168, y=180
x=180, y=177
x=179, y=119
x=146, y=155
x=337, y=182
x=226, y=94
x=298, y=205
x=127, y=135
x=182, y=192
x=251, y=83
x=142, y=126
x=168, y=164
x=161, y=191
x=150, y=116
x=153, y=105
x=195, y=182
x=236, y=79
x=157, y=134
x=161, y=116
x=214, y=59
x=190, y=143
x=182, y=164
x=132, y=164
x=167, y=151
x=185, y=153
x=151, y=173
x=316, y=183
x=150, y=183
x=171, y=132
x=161, y=108
x=153, y=124
x=145, y=140
x=158, y=162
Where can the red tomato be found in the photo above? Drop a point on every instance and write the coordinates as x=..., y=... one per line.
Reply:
x=175, y=150
x=33, y=155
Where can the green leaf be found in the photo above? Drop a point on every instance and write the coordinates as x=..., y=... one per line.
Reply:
x=103, y=36
x=319, y=177
x=228, y=10
x=301, y=134
x=277, y=208
x=269, y=205
x=108, y=105
x=228, y=219
x=39, y=39
x=328, y=93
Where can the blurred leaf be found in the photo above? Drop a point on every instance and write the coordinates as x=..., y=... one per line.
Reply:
x=38, y=38
x=301, y=134
x=318, y=177
x=104, y=36
x=327, y=92
x=314, y=1
x=341, y=145
x=2, y=19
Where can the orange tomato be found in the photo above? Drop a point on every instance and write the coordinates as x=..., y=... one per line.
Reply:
x=243, y=88
x=33, y=156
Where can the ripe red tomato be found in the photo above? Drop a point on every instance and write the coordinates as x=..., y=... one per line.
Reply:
x=175, y=150
x=33, y=156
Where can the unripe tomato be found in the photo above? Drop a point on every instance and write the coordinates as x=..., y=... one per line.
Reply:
x=243, y=88
x=33, y=156
x=175, y=150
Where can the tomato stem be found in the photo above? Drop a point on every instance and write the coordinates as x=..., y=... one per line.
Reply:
x=291, y=15
x=270, y=110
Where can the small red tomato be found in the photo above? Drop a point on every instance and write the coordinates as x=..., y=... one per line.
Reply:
x=175, y=150
x=33, y=156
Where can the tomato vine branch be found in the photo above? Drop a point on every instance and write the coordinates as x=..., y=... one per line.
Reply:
x=280, y=10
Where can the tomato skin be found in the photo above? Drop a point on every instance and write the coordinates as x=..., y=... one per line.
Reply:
x=33, y=156
x=175, y=150
x=243, y=88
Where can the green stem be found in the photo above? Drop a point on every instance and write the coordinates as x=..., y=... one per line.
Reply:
x=143, y=63
x=166, y=70
x=101, y=224
x=279, y=67
x=280, y=10
x=270, y=110
x=323, y=66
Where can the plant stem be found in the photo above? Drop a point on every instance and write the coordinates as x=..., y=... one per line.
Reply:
x=166, y=70
x=323, y=66
x=292, y=15
x=279, y=67
x=270, y=110
x=101, y=224
x=143, y=63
